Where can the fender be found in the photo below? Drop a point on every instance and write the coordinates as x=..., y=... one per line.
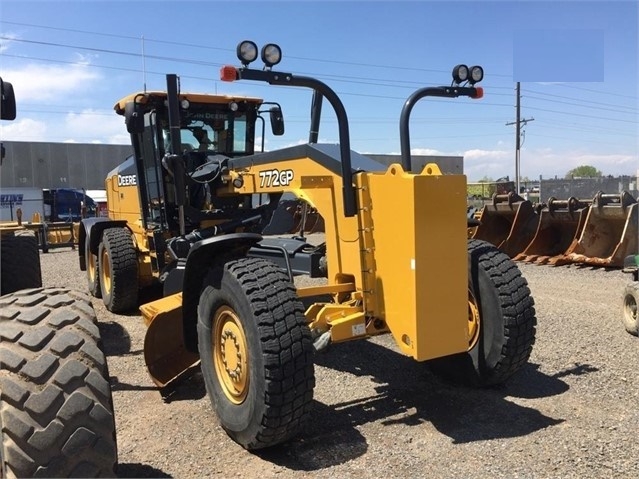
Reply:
x=202, y=256
x=91, y=230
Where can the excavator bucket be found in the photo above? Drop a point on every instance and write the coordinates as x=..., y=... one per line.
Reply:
x=560, y=223
x=609, y=233
x=509, y=222
x=165, y=354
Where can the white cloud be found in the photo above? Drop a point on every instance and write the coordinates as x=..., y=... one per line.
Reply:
x=6, y=42
x=25, y=129
x=482, y=155
x=426, y=152
x=50, y=83
x=90, y=126
x=85, y=127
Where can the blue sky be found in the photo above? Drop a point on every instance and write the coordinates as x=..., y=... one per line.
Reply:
x=70, y=61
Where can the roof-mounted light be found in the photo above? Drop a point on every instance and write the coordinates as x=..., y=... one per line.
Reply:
x=247, y=52
x=476, y=74
x=271, y=54
x=460, y=74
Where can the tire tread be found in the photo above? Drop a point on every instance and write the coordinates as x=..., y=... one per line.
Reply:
x=20, y=261
x=46, y=409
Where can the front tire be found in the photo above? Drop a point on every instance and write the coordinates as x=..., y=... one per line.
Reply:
x=629, y=316
x=501, y=320
x=256, y=352
x=56, y=409
x=118, y=269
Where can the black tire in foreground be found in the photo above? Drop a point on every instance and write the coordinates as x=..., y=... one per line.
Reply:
x=20, y=261
x=118, y=270
x=93, y=273
x=630, y=316
x=501, y=321
x=256, y=352
x=56, y=410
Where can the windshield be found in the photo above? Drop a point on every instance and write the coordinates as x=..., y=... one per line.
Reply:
x=210, y=128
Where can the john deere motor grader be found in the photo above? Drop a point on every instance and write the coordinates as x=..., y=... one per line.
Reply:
x=396, y=256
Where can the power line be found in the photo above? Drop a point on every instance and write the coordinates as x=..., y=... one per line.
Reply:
x=190, y=45
x=581, y=100
x=582, y=115
x=583, y=106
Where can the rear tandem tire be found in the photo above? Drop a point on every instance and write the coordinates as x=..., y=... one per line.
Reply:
x=20, y=268
x=500, y=302
x=629, y=316
x=56, y=409
x=118, y=269
x=256, y=352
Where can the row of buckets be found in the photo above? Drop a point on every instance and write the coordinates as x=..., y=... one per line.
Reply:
x=597, y=232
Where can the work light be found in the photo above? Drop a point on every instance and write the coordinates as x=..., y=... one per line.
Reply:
x=460, y=74
x=247, y=52
x=476, y=74
x=271, y=54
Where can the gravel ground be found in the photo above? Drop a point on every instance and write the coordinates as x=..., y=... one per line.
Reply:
x=572, y=412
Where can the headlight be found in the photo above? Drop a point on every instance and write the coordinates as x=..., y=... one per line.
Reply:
x=460, y=73
x=247, y=52
x=476, y=74
x=271, y=54
x=185, y=104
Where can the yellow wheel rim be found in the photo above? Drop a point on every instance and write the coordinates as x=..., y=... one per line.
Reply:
x=105, y=272
x=230, y=354
x=91, y=267
x=474, y=321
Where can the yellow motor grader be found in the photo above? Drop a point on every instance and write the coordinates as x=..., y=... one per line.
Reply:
x=187, y=210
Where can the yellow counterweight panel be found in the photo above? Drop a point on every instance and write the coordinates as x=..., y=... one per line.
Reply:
x=420, y=258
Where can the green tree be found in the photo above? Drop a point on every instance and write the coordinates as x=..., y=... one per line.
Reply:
x=584, y=171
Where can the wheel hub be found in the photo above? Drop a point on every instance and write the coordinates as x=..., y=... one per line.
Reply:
x=474, y=321
x=91, y=266
x=230, y=354
x=105, y=271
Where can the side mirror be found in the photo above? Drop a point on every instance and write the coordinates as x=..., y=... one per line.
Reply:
x=7, y=102
x=134, y=118
x=277, y=121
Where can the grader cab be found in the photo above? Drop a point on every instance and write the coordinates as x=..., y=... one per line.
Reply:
x=395, y=260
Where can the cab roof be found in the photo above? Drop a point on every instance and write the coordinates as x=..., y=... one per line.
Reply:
x=150, y=96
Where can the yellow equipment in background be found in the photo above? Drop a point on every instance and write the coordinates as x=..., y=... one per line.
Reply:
x=188, y=209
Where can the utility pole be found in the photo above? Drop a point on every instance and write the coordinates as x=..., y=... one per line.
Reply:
x=518, y=122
